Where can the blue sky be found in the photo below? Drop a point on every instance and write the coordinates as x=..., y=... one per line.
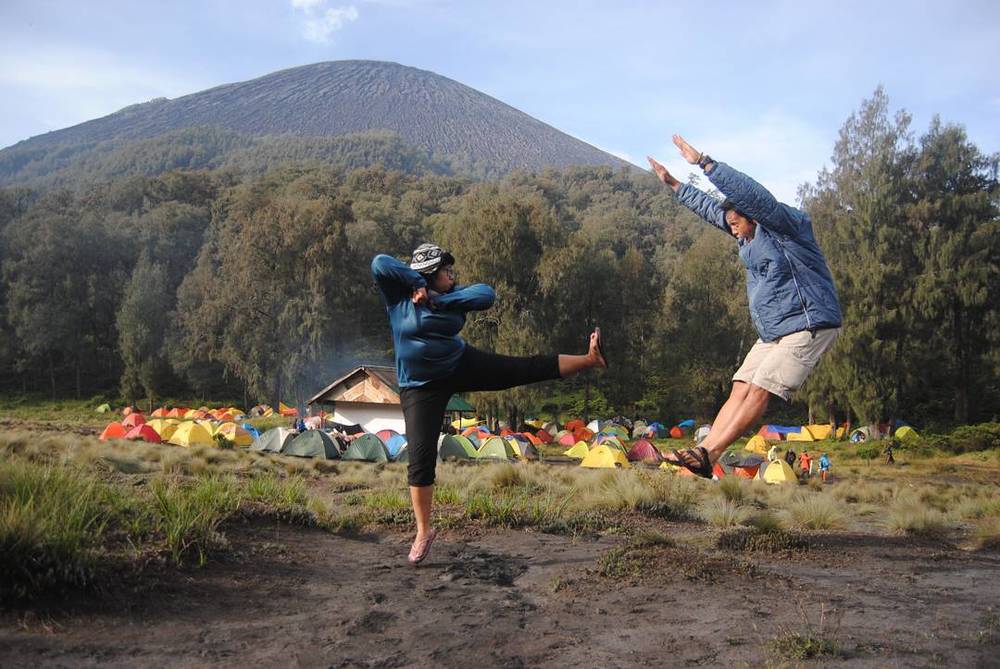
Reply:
x=764, y=86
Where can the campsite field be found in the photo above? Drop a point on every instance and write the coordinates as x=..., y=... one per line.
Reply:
x=138, y=555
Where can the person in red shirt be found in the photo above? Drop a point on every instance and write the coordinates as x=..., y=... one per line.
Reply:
x=804, y=461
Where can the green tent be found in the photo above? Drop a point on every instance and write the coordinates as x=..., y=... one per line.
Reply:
x=104, y=408
x=312, y=444
x=273, y=441
x=457, y=447
x=496, y=447
x=367, y=447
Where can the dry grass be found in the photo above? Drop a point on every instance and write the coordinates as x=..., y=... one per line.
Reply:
x=722, y=512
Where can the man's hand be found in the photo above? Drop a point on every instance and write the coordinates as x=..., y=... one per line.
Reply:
x=420, y=296
x=689, y=153
x=664, y=175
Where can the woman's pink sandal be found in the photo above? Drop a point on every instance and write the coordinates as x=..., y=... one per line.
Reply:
x=421, y=548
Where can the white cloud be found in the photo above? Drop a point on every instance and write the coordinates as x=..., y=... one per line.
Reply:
x=320, y=22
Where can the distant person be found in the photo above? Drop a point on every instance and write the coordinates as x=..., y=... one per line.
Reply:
x=805, y=462
x=772, y=453
x=889, y=460
x=790, y=457
x=426, y=313
x=793, y=303
x=824, y=466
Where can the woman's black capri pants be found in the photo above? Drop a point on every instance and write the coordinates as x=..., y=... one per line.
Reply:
x=424, y=406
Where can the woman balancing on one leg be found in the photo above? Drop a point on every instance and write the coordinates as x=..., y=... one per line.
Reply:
x=426, y=312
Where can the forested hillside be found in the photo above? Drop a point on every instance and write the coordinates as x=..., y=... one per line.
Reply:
x=222, y=282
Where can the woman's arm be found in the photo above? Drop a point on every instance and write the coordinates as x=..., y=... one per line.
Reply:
x=396, y=280
x=475, y=297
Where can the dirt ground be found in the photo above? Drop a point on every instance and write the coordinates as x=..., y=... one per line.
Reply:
x=294, y=597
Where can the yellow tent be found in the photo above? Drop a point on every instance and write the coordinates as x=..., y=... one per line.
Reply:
x=163, y=427
x=578, y=450
x=235, y=434
x=537, y=424
x=463, y=423
x=802, y=435
x=605, y=456
x=757, y=444
x=841, y=431
x=191, y=434
x=209, y=426
x=666, y=466
x=779, y=472
x=906, y=432
x=819, y=431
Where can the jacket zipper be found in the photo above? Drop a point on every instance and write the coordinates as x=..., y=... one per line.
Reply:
x=791, y=269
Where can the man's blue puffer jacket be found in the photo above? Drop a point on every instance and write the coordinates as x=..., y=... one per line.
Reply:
x=789, y=286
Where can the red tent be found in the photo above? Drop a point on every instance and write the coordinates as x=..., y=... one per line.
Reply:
x=768, y=434
x=573, y=424
x=145, y=433
x=544, y=436
x=644, y=451
x=133, y=419
x=676, y=433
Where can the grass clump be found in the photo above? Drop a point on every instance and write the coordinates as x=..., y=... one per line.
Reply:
x=816, y=512
x=52, y=522
x=799, y=646
x=187, y=515
x=916, y=520
x=722, y=512
x=812, y=640
x=268, y=488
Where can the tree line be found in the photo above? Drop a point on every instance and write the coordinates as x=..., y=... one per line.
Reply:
x=255, y=286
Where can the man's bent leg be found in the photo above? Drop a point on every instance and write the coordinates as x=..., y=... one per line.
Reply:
x=747, y=413
x=726, y=413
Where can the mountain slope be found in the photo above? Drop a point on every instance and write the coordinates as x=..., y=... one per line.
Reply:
x=427, y=111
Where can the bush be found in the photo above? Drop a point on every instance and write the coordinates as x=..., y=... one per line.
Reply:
x=982, y=437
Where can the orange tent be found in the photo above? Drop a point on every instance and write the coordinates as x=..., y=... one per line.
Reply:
x=159, y=413
x=718, y=471
x=145, y=433
x=176, y=412
x=676, y=433
x=113, y=431
x=535, y=441
x=582, y=434
x=506, y=432
x=573, y=424
x=133, y=419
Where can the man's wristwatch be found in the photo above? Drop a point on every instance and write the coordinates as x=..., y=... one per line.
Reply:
x=704, y=160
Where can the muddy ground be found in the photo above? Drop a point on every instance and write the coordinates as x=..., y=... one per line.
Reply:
x=294, y=597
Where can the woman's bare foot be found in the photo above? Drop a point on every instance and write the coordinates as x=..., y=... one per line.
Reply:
x=596, y=352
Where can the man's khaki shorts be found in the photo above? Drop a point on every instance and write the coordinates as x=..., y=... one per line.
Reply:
x=782, y=366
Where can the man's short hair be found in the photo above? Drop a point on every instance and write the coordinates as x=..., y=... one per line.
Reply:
x=729, y=205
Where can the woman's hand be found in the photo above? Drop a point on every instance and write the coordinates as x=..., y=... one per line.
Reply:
x=420, y=296
x=664, y=175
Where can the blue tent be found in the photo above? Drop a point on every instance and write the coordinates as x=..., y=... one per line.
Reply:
x=254, y=432
x=685, y=424
x=395, y=444
x=784, y=429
